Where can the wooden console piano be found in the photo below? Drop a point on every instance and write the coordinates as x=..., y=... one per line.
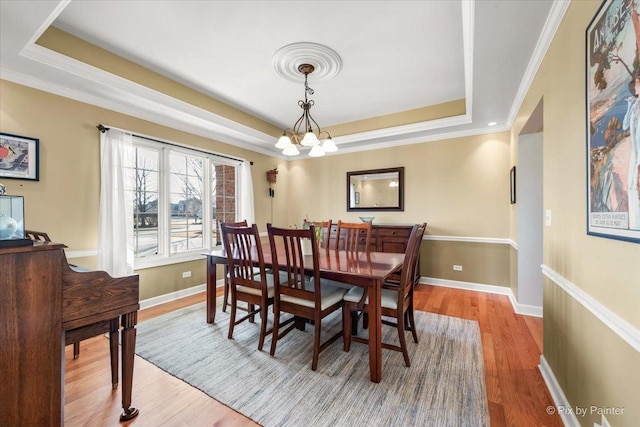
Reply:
x=44, y=304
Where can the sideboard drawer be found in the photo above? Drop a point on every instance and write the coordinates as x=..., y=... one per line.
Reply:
x=390, y=238
x=393, y=232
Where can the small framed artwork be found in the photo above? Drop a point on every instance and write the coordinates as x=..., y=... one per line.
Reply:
x=19, y=157
x=357, y=197
x=512, y=180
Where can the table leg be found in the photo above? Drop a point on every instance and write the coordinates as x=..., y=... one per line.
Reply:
x=114, y=341
x=212, y=279
x=129, y=321
x=375, y=331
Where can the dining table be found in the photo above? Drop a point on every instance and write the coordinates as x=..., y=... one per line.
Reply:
x=365, y=269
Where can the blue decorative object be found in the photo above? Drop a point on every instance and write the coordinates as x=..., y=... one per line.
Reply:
x=366, y=218
x=11, y=217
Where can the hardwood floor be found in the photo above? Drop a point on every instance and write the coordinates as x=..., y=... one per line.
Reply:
x=512, y=345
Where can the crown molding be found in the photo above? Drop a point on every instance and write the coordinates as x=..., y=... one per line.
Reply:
x=468, y=25
x=558, y=9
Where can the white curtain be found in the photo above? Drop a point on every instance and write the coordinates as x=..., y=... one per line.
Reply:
x=245, y=204
x=115, y=224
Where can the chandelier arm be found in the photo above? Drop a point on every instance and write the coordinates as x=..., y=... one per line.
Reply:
x=296, y=126
x=320, y=132
x=317, y=126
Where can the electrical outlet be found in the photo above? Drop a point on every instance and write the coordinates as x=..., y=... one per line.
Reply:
x=457, y=267
x=186, y=274
x=547, y=217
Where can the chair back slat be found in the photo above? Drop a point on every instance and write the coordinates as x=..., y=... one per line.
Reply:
x=325, y=233
x=289, y=262
x=244, y=253
x=354, y=237
x=411, y=260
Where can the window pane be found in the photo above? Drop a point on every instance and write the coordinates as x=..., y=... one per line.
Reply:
x=186, y=202
x=142, y=183
x=148, y=158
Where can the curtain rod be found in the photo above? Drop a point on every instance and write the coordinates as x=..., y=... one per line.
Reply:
x=103, y=129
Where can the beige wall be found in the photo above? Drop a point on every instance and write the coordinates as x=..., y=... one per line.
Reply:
x=64, y=202
x=592, y=364
x=460, y=187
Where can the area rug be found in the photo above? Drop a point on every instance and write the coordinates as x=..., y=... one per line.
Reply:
x=443, y=387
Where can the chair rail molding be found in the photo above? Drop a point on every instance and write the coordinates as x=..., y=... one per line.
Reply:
x=466, y=239
x=617, y=324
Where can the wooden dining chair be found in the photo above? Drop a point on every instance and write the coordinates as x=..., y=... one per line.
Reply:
x=325, y=233
x=296, y=291
x=397, y=302
x=393, y=280
x=353, y=236
x=244, y=253
x=225, y=298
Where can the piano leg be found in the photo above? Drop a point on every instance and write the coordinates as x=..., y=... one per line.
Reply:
x=129, y=321
x=114, y=336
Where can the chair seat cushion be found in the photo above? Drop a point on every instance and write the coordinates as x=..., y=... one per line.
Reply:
x=334, y=283
x=329, y=295
x=270, y=288
x=389, y=297
x=254, y=291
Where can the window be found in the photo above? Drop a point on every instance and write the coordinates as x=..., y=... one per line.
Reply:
x=179, y=195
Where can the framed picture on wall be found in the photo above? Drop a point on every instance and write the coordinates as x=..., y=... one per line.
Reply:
x=19, y=157
x=613, y=121
x=512, y=181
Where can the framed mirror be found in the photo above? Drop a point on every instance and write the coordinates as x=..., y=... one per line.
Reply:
x=375, y=190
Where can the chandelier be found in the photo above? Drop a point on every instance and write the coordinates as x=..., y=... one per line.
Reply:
x=305, y=131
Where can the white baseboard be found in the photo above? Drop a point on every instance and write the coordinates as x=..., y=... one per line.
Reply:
x=161, y=299
x=569, y=418
x=523, y=309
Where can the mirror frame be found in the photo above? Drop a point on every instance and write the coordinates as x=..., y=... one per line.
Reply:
x=398, y=207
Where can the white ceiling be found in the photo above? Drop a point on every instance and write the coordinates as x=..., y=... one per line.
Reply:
x=396, y=56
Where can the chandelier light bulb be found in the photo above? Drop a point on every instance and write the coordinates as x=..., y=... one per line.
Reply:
x=310, y=140
x=291, y=150
x=329, y=146
x=283, y=142
x=316, y=151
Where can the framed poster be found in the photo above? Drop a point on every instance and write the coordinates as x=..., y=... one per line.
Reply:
x=613, y=127
x=19, y=157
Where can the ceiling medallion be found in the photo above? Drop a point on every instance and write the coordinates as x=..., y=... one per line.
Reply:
x=325, y=61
